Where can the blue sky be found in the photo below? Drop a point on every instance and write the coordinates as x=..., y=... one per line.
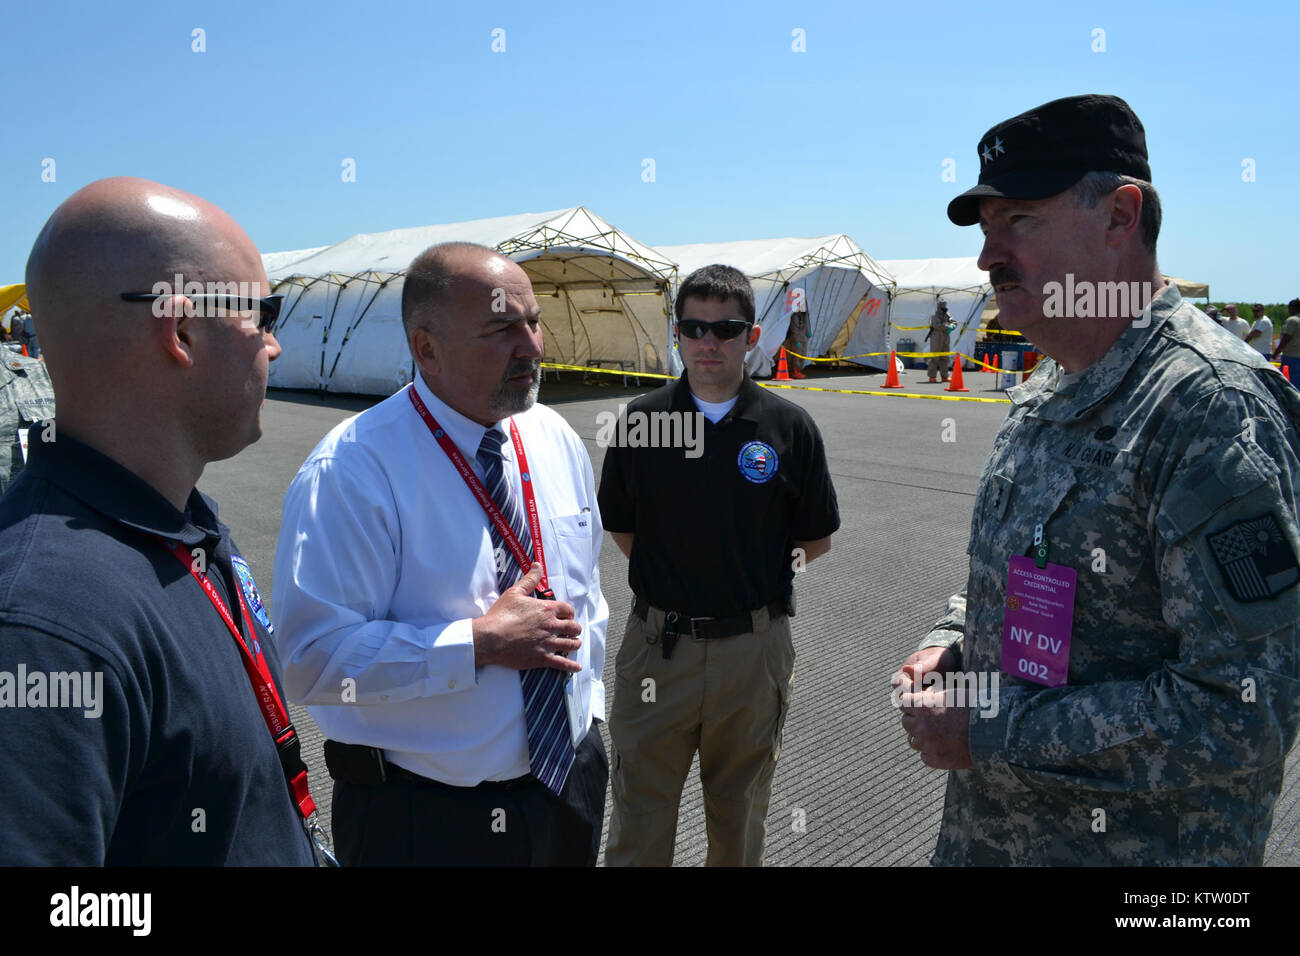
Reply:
x=749, y=138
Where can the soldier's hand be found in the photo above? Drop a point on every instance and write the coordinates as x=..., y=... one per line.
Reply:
x=523, y=632
x=937, y=729
x=911, y=674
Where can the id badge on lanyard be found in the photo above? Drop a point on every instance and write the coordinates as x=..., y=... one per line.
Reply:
x=485, y=501
x=274, y=713
x=1038, y=617
x=576, y=714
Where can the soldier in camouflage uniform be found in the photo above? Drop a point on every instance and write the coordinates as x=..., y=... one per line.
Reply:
x=1162, y=470
x=26, y=403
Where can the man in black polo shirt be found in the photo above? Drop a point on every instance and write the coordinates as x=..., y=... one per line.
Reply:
x=132, y=730
x=714, y=535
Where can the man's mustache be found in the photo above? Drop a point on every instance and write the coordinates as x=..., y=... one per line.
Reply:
x=531, y=367
x=1004, y=275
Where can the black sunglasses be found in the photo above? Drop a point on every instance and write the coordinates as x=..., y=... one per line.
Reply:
x=268, y=306
x=724, y=330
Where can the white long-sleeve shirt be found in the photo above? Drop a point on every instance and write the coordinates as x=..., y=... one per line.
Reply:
x=384, y=559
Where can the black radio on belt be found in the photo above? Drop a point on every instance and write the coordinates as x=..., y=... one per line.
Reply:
x=669, y=634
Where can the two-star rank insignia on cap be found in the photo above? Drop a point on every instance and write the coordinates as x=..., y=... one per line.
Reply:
x=1255, y=558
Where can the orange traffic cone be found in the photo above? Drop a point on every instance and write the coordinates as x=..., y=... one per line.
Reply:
x=956, y=385
x=993, y=363
x=782, y=372
x=1286, y=371
x=25, y=355
x=891, y=376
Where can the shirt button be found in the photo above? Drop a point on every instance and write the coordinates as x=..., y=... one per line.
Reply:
x=451, y=685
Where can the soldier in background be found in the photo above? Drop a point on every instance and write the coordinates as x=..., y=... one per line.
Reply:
x=26, y=403
x=1135, y=522
x=941, y=327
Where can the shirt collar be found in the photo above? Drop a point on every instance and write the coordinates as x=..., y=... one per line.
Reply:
x=465, y=433
x=119, y=494
x=1103, y=376
x=747, y=399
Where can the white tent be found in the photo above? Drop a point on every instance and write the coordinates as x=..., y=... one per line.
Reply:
x=919, y=284
x=842, y=287
x=605, y=298
x=277, y=262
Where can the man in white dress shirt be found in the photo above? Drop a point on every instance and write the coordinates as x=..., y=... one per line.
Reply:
x=405, y=619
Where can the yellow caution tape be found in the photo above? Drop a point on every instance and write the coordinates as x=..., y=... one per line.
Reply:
x=924, y=328
x=805, y=388
x=856, y=391
x=841, y=358
x=845, y=358
x=606, y=371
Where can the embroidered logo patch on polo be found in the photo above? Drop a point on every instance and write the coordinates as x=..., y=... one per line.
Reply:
x=758, y=462
x=252, y=596
x=1255, y=558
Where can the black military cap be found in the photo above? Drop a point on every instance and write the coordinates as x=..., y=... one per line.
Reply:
x=1046, y=150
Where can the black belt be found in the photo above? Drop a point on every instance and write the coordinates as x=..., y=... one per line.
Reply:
x=354, y=763
x=708, y=628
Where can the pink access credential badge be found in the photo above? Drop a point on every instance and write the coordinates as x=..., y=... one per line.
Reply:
x=1037, y=621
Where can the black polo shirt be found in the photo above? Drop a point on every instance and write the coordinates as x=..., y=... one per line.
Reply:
x=171, y=762
x=714, y=534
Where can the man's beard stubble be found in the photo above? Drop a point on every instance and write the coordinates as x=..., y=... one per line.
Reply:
x=512, y=400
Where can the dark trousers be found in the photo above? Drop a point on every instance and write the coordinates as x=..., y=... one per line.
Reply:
x=406, y=823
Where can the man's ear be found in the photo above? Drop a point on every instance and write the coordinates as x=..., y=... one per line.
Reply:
x=1125, y=208
x=174, y=327
x=755, y=334
x=425, y=351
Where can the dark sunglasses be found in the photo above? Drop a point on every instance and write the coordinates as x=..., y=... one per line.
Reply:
x=268, y=306
x=724, y=330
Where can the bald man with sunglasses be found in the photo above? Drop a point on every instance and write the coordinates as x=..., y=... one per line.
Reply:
x=146, y=726
x=714, y=531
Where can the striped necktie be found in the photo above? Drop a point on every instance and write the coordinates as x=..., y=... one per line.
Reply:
x=550, y=749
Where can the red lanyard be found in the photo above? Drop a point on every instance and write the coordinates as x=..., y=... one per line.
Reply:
x=485, y=500
x=259, y=674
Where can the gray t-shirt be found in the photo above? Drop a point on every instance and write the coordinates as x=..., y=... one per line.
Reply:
x=1291, y=327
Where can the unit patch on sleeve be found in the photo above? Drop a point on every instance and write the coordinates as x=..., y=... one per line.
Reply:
x=252, y=597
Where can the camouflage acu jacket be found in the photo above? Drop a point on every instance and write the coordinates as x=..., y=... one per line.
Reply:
x=1166, y=477
x=26, y=400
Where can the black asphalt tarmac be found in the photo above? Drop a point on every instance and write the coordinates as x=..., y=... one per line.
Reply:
x=848, y=790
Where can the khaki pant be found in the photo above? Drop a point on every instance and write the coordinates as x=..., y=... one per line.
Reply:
x=725, y=697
